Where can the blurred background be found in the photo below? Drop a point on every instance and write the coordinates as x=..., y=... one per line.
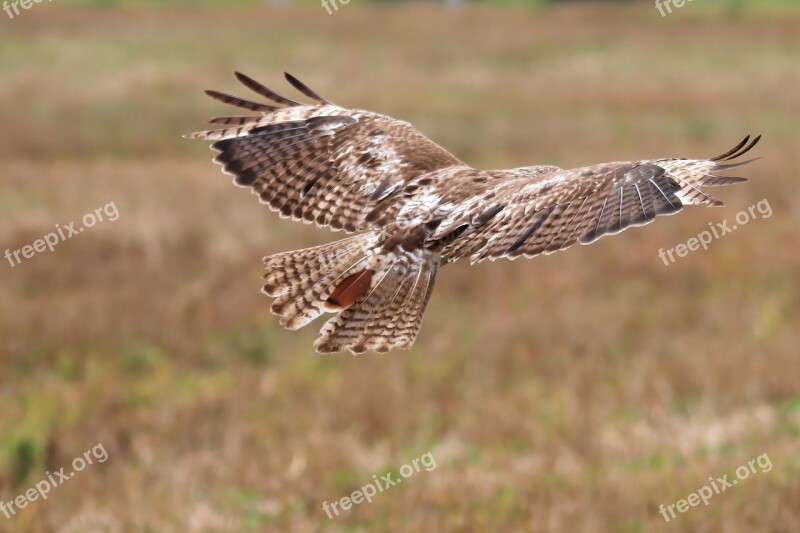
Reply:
x=573, y=392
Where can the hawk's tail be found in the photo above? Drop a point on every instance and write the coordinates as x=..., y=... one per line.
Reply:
x=379, y=295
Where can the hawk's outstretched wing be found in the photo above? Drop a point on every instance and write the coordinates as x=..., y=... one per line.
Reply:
x=520, y=216
x=321, y=163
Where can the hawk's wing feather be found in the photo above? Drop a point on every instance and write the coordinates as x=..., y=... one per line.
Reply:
x=738, y=150
x=303, y=88
x=322, y=163
x=564, y=207
x=264, y=91
x=240, y=102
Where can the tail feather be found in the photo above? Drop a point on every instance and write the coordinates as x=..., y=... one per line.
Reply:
x=302, y=280
x=411, y=315
x=390, y=315
x=356, y=325
x=379, y=296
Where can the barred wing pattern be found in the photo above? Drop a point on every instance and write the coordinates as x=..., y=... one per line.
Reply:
x=417, y=207
x=564, y=207
x=320, y=163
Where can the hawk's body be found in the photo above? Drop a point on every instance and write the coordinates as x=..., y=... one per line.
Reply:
x=418, y=207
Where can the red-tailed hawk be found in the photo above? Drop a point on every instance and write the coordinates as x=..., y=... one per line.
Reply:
x=416, y=207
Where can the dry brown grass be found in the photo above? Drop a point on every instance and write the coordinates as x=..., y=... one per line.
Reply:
x=574, y=392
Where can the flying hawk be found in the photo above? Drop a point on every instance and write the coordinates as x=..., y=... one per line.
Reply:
x=415, y=207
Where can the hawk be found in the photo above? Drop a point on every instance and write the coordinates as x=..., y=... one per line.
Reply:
x=415, y=207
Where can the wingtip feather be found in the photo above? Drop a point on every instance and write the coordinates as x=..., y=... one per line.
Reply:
x=264, y=91
x=305, y=89
x=739, y=150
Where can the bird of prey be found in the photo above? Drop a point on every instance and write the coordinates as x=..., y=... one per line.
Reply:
x=415, y=207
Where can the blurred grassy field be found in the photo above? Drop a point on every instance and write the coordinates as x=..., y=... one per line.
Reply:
x=574, y=392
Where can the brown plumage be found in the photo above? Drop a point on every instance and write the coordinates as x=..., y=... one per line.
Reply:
x=349, y=290
x=417, y=208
